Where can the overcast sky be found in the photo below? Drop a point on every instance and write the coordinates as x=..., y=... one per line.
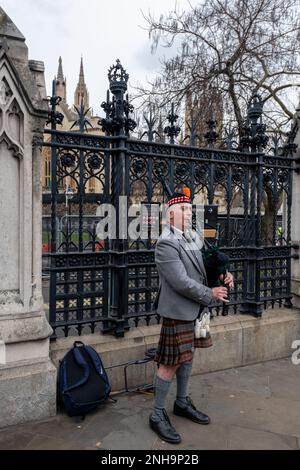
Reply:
x=100, y=30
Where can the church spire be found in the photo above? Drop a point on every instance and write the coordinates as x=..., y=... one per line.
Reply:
x=81, y=92
x=60, y=75
x=81, y=73
x=60, y=80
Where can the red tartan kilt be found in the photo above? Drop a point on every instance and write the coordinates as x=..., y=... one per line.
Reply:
x=177, y=342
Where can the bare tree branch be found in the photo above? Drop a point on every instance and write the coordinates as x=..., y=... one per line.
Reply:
x=236, y=47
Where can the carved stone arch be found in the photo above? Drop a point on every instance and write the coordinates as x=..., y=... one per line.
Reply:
x=13, y=92
x=15, y=123
x=12, y=147
x=10, y=210
x=5, y=92
x=13, y=108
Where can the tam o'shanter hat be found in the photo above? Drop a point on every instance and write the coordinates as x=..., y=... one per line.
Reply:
x=180, y=197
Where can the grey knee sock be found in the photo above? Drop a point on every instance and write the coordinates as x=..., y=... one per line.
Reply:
x=183, y=374
x=161, y=390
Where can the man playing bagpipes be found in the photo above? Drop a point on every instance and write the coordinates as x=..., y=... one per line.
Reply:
x=183, y=295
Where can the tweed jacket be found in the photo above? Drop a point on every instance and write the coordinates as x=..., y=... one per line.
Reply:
x=182, y=276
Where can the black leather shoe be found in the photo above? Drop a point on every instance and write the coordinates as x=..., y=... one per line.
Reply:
x=191, y=412
x=164, y=429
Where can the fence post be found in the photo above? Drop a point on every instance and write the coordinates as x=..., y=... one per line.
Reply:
x=254, y=139
x=54, y=118
x=118, y=124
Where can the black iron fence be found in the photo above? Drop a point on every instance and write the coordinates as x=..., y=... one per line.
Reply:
x=111, y=284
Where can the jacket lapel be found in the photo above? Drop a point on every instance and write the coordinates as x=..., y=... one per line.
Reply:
x=190, y=253
x=198, y=253
x=194, y=254
x=195, y=257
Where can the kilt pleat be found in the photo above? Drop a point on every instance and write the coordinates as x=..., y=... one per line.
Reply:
x=176, y=342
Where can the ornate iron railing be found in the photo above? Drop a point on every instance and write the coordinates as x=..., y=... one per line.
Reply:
x=111, y=284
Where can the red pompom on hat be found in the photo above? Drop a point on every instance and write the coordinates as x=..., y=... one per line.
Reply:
x=180, y=197
x=186, y=191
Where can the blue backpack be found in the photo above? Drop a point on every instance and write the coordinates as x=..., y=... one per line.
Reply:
x=82, y=381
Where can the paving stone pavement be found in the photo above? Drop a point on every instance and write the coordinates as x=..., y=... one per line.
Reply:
x=252, y=407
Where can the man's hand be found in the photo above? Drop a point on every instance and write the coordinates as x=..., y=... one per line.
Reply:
x=228, y=279
x=220, y=293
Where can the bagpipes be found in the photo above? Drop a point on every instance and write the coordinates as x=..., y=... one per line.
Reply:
x=216, y=262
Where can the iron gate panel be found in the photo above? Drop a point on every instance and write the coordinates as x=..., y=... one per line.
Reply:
x=79, y=272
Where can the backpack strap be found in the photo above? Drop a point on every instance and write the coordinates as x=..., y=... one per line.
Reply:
x=98, y=366
x=96, y=360
x=83, y=364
